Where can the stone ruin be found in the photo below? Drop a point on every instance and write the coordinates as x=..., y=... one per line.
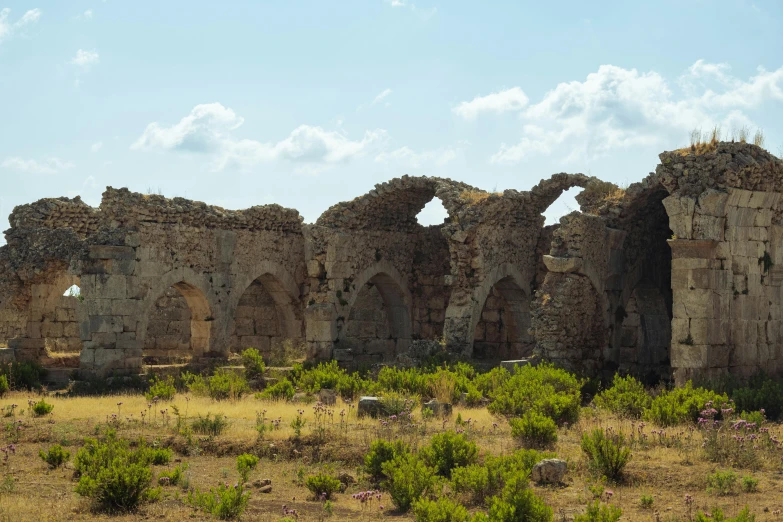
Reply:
x=677, y=276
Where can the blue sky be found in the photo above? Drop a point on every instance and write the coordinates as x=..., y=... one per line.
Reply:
x=307, y=103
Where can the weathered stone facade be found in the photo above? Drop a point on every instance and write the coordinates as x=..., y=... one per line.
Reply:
x=678, y=275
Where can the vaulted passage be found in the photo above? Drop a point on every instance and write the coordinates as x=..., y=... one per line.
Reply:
x=56, y=308
x=645, y=332
x=267, y=320
x=378, y=326
x=502, y=330
x=179, y=326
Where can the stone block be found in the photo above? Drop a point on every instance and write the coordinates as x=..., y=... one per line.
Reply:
x=105, y=323
x=708, y=227
x=680, y=212
x=688, y=356
x=320, y=331
x=712, y=203
x=315, y=269
x=763, y=200
x=110, y=287
x=111, y=252
x=739, y=197
x=562, y=264
x=549, y=471
x=740, y=217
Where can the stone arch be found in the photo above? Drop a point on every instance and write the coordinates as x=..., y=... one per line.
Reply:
x=379, y=294
x=54, y=319
x=267, y=309
x=194, y=289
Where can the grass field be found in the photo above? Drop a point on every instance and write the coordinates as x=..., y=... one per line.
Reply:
x=666, y=466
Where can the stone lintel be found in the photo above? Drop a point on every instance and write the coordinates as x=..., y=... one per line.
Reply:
x=562, y=264
x=692, y=248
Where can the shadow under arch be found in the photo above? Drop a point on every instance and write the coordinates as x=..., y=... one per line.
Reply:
x=396, y=303
x=195, y=290
x=278, y=284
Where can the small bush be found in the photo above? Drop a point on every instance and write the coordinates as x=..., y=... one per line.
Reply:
x=245, y=464
x=281, y=390
x=681, y=404
x=323, y=486
x=750, y=484
x=42, y=408
x=382, y=451
x=646, y=501
x=225, y=502
x=156, y=456
x=627, y=397
x=253, y=363
x=327, y=375
x=56, y=456
x=717, y=516
x=760, y=392
x=4, y=387
x=409, y=479
x=114, y=476
x=24, y=375
x=394, y=403
x=209, y=425
x=534, y=429
x=607, y=452
x=441, y=510
x=173, y=477
x=722, y=483
x=449, y=450
x=545, y=389
x=483, y=481
x=223, y=384
x=598, y=512
x=162, y=389
x=518, y=503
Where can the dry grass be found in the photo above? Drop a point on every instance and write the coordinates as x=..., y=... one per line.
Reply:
x=665, y=471
x=705, y=142
x=474, y=197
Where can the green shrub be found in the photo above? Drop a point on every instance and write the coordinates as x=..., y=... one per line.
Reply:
x=223, y=384
x=534, y=429
x=394, y=403
x=681, y=404
x=409, y=381
x=173, y=477
x=323, y=486
x=718, y=516
x=760, y=392
x=224, y=502
x=24, y=375
x=492, y=381
x=545, y=389
x=607, y=452
x=626, y=397
x=42, y=408
x=56, y=456
x=114, y=476
x=282, y=389
x=441, y=510
x=382, y=451
x=245, y=464
x=162, y=389
x=750, y=484
x=4, y=387
x=449, y=450
x=646, y=501
x=722, y=483
x=518, y=503
x=156, y=456
x=209, y=425
x=483, y=481
x=598, y=512
x=253, y=363
x=409, y=479
x=327, y=375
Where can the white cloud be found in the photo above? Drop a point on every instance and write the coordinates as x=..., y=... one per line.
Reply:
x=513, y=99
x=407, y=157
x=47, y=166
x=7, y=28
x=85, y=58
x=381, y=96
x=208, y=129
x=98, y=145
x=423, y=14
x=618, y=108
x=396, y=3
x=87, y=15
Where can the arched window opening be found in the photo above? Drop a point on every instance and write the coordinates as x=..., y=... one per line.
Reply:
x=433, y=213
x=179, y=326
x=56, y=308
x=565, y=204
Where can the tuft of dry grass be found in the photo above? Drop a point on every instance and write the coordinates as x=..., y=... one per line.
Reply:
x=474, y=197
x=705, y=142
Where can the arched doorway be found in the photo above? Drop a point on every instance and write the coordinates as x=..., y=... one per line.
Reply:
x=55, y=312
x=267, y=319
x=179, y=326
x=378, y=326
x=501, y=331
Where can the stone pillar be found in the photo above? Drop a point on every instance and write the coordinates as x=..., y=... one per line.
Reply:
x=113, y=305
x=700, y=341
x=321, y=331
